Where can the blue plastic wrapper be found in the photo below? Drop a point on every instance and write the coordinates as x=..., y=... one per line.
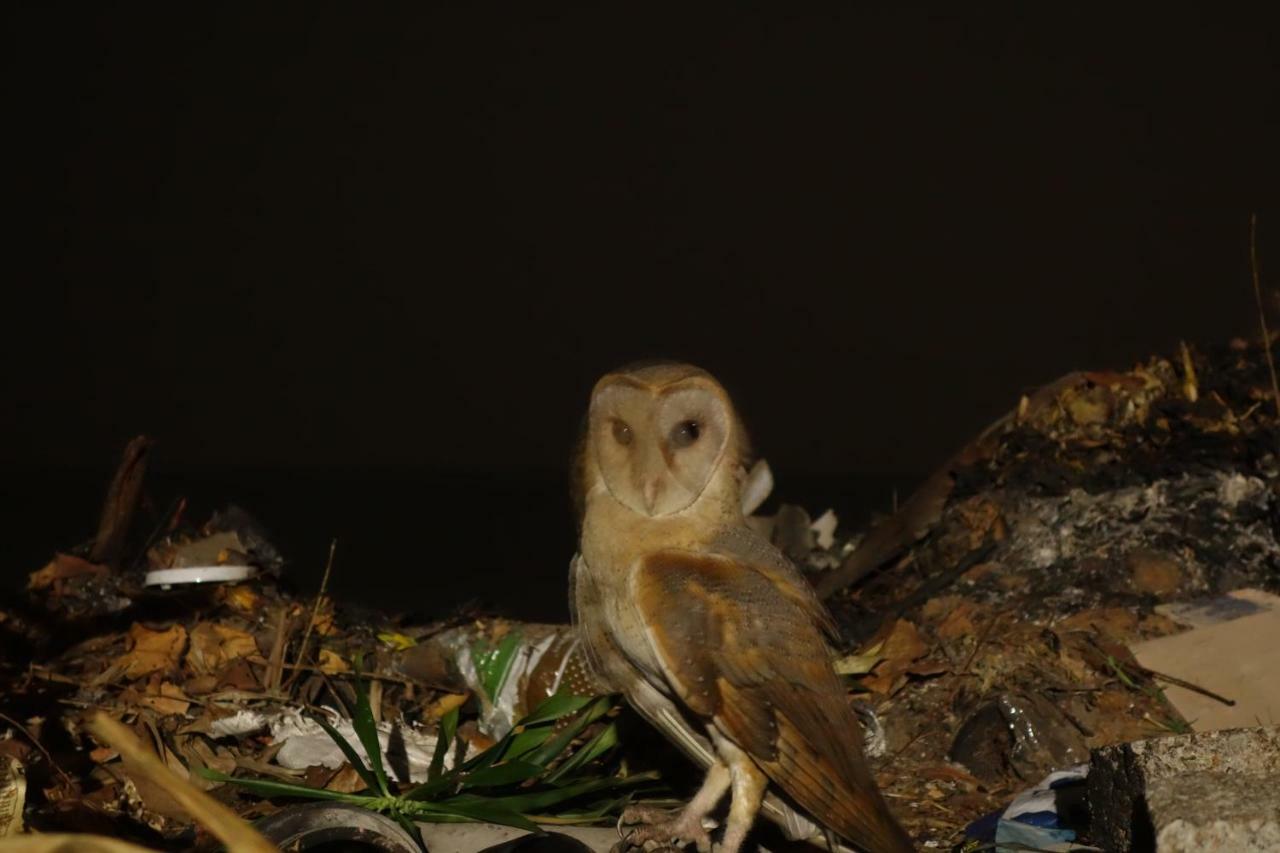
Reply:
x=1043, y=818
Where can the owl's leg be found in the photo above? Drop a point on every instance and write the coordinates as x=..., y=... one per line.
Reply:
x=658, y=827
x=748, y=792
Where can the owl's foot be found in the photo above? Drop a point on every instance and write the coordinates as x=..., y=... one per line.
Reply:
x=653, y=830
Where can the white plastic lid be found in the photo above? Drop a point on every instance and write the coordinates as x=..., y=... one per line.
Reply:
x=197, y=574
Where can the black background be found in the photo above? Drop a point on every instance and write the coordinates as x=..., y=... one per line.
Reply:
x=356, y=266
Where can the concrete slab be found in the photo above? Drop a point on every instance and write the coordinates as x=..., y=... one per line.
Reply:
x=1206, y=791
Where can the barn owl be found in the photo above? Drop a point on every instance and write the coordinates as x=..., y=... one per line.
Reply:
x=710, y=633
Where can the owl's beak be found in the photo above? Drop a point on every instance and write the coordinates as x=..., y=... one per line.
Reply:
x=650, y=494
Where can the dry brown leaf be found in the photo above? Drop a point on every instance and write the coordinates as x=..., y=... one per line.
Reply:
x=152, y=651
x=1088, y=406
x=902, y=646
x=982, y=518
x=331, y=663
x=324, y=624
x=1158, y=625
x=937, y=608
x=1078, y=670
x=862, y=662
x=444, y=705
x=200, y=754
x=948, y=773
x=928, y=669
x=1114, y=701
x=954, y=616
x=62, y=567
x=317, y=776
x=165, y=706
x=201, y=684
x=214, y=645
x=345, y=781
x=980, y=571
x=241, y=598
x=166, y=698
x=1116, y=622
x=239, y=676
x=903, y=643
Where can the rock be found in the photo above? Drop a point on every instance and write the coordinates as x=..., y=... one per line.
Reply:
x=1020, y=733
x=1204, y=791
x=1224, y=811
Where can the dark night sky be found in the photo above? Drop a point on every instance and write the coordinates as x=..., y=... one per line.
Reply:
x=322, y=234
x=391, y=234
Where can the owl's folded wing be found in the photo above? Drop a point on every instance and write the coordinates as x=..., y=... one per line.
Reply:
x=743, y=649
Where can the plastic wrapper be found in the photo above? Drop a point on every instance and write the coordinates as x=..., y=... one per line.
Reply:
x=511, y=667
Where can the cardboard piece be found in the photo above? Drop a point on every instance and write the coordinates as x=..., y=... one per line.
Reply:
x=1232, y=649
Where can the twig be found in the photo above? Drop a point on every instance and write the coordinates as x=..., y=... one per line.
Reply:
x=275, y=664
x=38, y=745
x=1262, y=313
x=1141, y=671
x=945, y=578
x=333, y=689
x=315, y=613
x=1187, y=685
x=982, y=638
x=164, y=525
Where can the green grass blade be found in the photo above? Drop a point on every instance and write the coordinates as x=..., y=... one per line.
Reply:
x=267, y=788
x=367, y=730
x=593, y=749
x=407, y=824
x=430, y=790
x=353, y=757
x=506, y=773
x=536, y=801
x=444, y=742
x=490, y=756
x=560, y=704
x=593, y=812
x=556, y=745
x=520, y=742
x=473, y=808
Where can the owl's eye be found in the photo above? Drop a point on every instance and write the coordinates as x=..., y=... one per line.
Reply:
x=621, y=433
x=685, y=433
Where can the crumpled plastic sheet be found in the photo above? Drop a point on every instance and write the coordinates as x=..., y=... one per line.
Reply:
x=1043, y=817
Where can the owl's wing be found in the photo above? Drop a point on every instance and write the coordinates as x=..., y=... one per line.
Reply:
x=617, y=674
x=609, y=665
x=742, y=646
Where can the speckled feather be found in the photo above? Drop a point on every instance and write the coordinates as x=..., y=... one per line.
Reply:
x=745, y=650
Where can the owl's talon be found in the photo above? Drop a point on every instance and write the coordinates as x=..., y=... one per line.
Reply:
x=654, y=830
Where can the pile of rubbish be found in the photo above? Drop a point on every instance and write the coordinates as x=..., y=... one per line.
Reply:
x=1098, y=570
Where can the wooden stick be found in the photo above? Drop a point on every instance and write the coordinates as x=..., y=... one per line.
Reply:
x=223, y=823
x=122, y=500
